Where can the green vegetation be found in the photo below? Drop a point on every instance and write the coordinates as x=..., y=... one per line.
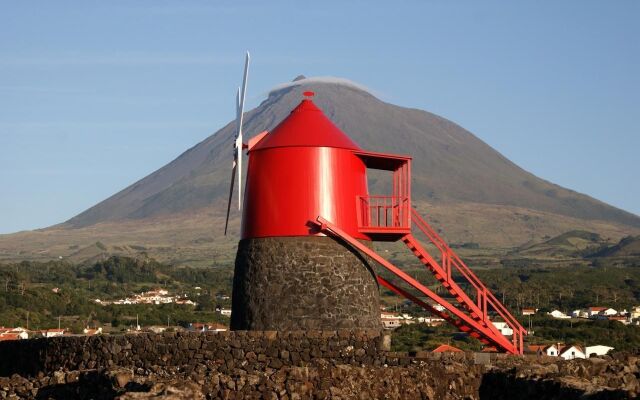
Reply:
x=586, y=332
x=565, y=288
x=26, y=293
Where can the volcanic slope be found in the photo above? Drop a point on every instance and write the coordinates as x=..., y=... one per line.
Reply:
x=471, y=191
x=449, y=163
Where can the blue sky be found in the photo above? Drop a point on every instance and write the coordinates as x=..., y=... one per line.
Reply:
x=96, y=95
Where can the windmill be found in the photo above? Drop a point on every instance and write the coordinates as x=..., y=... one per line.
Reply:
x=309, y=220
x=238, y=144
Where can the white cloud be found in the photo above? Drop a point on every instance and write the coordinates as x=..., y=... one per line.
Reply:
x=323, y=79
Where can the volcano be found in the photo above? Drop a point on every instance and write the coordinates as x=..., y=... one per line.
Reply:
x=450, y=163
x=469, y=189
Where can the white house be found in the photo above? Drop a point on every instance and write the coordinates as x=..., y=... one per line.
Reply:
x=225, y=311
x=551, y=351
x=571, y=352
x=156, y=328
x=23, y=335
x=13, y=333
x=597, y=350
x=53, y=332
x=635, y=312
x=558, y=314
x=92, y=332
x=581, y=313
x=609, y=312
x=503, y=328
x=390, y=320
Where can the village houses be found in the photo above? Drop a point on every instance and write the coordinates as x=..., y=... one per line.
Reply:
x=49, y=333
x=390, y=320
x=13, y=333
x=157, y=296
x=569, y=352
x=606, y=313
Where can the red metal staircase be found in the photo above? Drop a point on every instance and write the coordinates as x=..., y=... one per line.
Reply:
x=471, y=312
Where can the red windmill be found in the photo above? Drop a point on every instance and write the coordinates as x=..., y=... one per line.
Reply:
x=308, y=221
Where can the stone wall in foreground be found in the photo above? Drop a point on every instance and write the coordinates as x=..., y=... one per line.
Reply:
x=293, y=365
x=249, y=349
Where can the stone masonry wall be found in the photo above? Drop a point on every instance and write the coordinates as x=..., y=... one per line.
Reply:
x=258, y=349
x=291, y=283
x=293, y=365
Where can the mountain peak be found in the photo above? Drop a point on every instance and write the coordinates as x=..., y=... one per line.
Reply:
x=450, y=165
x=302, y=80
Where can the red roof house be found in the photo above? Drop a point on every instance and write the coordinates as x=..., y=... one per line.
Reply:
x=445, y=348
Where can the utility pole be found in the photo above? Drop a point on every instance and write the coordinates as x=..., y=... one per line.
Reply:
x=58, y=322
x=27, y=320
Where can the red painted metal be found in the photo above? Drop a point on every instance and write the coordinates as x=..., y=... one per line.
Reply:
x=307, y=178
x=305, y=167
x=255, y=140
x=383, y=214
x=387, y=218
x=484, y=328
x=306, y=126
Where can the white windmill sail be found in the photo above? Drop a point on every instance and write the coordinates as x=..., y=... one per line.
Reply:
x=238, y=143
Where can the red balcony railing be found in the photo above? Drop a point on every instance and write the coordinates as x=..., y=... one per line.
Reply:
x=383, y=213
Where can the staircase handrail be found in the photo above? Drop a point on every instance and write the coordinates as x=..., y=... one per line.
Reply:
x=499, y=340
x=465, y=271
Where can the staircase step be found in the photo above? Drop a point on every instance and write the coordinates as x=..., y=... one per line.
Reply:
x=483, y=333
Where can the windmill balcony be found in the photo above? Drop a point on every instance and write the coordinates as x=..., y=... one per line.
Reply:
x=384, y=217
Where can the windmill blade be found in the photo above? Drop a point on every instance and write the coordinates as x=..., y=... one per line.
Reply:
x=236, y=159
x=239, y=118
x=238, y=143
x=238, y=147
x=243, y=92
x=239, y=165
x=233, y=176
x=238, y=122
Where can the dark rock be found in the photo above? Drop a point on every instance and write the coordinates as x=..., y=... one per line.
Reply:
x=274, y=278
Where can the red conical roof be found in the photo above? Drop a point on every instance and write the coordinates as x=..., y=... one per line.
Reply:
x=306, y=126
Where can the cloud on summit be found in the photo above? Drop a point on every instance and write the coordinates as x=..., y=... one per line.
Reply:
x=322, y=79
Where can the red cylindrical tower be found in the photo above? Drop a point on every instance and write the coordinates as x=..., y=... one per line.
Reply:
x=304, y=168
x=289, y=276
